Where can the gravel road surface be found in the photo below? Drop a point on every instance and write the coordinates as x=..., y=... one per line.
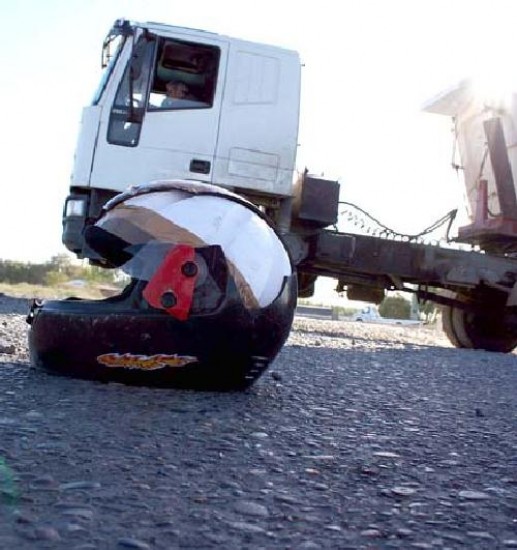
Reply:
x=359, y=436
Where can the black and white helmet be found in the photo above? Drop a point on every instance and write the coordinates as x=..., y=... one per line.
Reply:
x=210, y=303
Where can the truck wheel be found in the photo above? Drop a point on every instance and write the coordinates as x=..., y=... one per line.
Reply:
x=306, y=284
x=488, y=329
x=448, y=328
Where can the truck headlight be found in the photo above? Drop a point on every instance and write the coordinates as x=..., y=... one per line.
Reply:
x=75, y=207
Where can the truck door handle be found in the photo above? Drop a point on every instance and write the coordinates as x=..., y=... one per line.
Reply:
x=200, y=166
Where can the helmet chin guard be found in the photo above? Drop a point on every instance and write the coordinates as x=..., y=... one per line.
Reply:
x=210, y=303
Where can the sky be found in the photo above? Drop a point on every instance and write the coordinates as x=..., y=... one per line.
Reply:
x=368, y=68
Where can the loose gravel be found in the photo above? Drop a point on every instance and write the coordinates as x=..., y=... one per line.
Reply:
x=359, y=436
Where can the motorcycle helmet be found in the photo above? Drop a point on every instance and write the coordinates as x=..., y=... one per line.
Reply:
x=210, y=302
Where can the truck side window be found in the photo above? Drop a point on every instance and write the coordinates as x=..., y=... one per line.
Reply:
x=128, y=109
x=185, y=76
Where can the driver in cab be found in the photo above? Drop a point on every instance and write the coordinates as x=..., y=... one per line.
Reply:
x=178, y=96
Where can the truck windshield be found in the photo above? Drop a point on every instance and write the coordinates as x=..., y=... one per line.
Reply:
x=111, y=49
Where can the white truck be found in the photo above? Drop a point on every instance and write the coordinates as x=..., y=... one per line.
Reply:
x=238, y=128
x=370, y=314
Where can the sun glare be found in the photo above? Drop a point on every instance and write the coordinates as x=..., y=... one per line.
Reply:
x=495, y=87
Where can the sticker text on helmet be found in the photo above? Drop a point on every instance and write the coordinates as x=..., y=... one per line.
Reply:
x=144, y=362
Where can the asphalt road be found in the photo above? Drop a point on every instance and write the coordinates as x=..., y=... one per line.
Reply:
x=357, y=437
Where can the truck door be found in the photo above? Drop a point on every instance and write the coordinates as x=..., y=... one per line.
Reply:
x=258, y=134
x=163, y=118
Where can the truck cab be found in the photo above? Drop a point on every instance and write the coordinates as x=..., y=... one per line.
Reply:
x=235, y=126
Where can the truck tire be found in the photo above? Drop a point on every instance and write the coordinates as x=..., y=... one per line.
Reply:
x=488, y=329
x=448, y=328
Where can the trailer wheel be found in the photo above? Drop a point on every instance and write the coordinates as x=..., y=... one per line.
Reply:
x=448, y=327
x=491, y=329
